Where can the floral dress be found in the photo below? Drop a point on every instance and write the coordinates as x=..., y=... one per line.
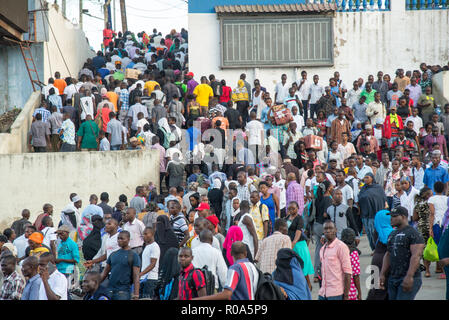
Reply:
x=423, y=211
x=355, y=264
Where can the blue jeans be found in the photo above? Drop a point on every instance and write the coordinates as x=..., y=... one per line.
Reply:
x=116, y=147
x=147, y=288
x=368, y=223
x=395, y=291
x=120, y=295
x=331, y=298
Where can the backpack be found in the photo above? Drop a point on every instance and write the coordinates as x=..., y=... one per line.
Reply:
x=266, y=289
x=209, y=279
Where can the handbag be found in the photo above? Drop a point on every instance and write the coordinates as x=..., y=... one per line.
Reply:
x=93, y=132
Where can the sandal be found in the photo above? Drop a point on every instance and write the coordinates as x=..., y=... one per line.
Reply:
x=427, y=275
x=316, y=280
x=442, y=276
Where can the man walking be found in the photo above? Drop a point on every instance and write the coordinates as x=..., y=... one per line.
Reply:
x=336, y=267
x=401, y=261
x=124, y=266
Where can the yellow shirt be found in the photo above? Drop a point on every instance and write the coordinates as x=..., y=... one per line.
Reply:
x=150, y=86
x=259, y=218
x=203, y=92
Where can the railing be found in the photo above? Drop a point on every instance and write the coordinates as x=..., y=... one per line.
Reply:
x=358, y=5
x=426, y=4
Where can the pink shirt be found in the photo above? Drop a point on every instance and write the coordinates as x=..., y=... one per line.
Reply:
x=335, y=262
x=136, y=229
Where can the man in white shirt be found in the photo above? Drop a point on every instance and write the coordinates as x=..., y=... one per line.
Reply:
x=150, y=264
x=109, y=245
x=316, y=91
x=54, y=283
x=353, y=95
x=70, y=90
x=200, y=224
x=87, y=104
x=46, y=89
x=206, y=255
x=132, y=114
x=255, y=130
x=417, y=120
x=49, y=233
x=21, y=243
x=135, y=227
x=304, y=91
x=281, y=90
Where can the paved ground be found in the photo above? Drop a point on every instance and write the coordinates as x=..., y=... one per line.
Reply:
x=432, y=288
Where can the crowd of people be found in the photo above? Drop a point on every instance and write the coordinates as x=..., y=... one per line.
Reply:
x=253, y=181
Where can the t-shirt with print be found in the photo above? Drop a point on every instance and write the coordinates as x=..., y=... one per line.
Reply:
x=120, y=278
x=67, y=250
x=49, y=235
x=151, y=251
x=398, y=246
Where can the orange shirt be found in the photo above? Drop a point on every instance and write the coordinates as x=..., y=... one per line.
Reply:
x=60, y=84
x=224, y=122
x=113, y=97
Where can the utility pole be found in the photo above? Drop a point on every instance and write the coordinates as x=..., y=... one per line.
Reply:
x=123, y=13
x=81, y=14
x=64, y=7
x=106, y=13
x=115, y=16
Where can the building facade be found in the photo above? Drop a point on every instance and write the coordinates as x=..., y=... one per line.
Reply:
x=267, y=38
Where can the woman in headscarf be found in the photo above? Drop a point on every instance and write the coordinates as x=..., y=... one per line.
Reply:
x=235, y=211
x=240, y=97
x=348, y=237
x=234, y=234
x=164, y=132
x=165, y=236
x=289, y=275
x=215, y=196
x=169, y=269
x=408, y=199
x=383, y=228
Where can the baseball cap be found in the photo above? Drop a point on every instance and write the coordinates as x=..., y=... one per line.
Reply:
x=399, y=211
x=63, y=228
x=190, y=74
x=213, y=219
x=405, y=159
x=203, y=206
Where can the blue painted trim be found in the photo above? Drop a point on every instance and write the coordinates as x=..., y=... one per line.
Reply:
x=208, y=6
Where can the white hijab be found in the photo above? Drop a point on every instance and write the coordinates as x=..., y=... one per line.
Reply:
x=163, y=123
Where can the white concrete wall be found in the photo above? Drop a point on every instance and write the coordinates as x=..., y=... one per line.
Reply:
x=30, y=180
x=72, y=42
x=365, y=42
x=16, y=140
x=440, y=87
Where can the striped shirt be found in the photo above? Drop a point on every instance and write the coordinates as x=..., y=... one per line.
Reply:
x=44, y=112
x=242, y=280
x=188, y=278
x=295, y=192
x=179, y=226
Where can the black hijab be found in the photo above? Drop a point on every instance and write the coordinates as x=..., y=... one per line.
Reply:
x=165, y=236
x=283, y=272
x=348, y=237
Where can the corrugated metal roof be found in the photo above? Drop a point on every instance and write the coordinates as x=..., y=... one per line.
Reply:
x=277, y=8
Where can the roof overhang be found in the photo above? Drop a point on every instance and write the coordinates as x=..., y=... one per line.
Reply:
x=271, y=9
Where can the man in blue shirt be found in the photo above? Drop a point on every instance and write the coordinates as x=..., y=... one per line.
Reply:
x=194, y=135
x=29, y=269
x=436, y=172
x=68, y=253
x=124, y=266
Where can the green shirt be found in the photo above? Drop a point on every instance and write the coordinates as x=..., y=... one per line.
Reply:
x=89, y=132
x=369, y=96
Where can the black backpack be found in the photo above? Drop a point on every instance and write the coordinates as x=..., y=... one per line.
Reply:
x=266, y=289
x=209, y=279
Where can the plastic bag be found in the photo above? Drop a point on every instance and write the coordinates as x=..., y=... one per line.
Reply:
x=431, y=251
